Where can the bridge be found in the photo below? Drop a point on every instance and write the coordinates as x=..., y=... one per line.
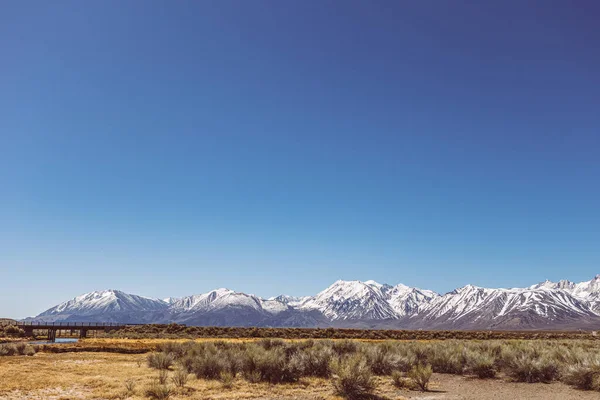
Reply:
x=53, y=327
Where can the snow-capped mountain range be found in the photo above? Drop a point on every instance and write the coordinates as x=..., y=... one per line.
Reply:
x=546, y=305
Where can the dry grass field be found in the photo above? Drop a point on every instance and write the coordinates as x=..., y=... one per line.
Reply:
x=70, y=376
x=296, y=369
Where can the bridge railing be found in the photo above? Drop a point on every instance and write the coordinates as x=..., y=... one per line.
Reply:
x=63, y=324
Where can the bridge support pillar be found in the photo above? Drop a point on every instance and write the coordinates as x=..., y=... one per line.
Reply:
x=82, y=333
x=52, y=335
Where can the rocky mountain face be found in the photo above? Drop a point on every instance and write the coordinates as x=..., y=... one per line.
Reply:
x=547, y=305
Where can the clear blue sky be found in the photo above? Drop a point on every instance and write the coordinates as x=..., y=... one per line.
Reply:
x=169, y=148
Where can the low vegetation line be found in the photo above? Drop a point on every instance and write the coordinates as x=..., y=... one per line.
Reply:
x=352, y=364
x=193, y=332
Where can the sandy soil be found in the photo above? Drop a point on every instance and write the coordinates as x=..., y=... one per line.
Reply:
x=452, y=387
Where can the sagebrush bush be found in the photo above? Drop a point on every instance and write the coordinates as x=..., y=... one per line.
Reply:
x=29, y=350
x=163, y=376
x=8, y=350
x=277, y=361
x=402, y=382
x=209, y=365
x=314, y=361
x=481, y=364
x=352, y=377
x=11, y=331
x=180, y=377
x=528, y=369
x=274, y=366
x=382, y=359
x=584, y=376
x=160, y=360
x=447, y=358
x=420, y=375
x=345, y=346
x=268, y=343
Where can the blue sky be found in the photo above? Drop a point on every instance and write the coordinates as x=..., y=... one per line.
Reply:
x=167, y=149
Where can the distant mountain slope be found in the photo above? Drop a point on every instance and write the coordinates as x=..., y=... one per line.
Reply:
x=546, y=305
x=107, y=306
x=472, y=307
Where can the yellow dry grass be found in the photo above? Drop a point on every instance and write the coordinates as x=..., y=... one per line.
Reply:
x=152, y=344
x=70, y=376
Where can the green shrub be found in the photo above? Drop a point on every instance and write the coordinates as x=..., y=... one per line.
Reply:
x=420, y=375
x=352, y=377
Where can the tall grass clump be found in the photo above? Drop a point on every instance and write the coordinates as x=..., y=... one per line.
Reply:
x=352, y=377
x=129, y=387
x=157, y=391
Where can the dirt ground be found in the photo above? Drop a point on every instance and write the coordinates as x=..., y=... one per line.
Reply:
x=70, y=376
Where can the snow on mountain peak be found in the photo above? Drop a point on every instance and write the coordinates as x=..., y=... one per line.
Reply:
x=468, y=306
x=368, y=300
x=104, y=301
x=351, y=300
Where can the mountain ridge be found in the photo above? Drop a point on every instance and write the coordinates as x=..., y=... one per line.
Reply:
x=545, y=305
